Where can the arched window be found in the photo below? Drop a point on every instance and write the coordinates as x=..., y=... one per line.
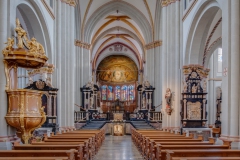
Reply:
x=131, y=92
x=110, y=93
x=117, y=92
x=124, y=93
x=104, y=92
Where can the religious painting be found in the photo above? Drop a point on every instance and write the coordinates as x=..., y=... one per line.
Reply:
x=110, y=93
x=131, y=92
x=124, y=93
x=104, y=92
x=118, y=69
x=117, y=92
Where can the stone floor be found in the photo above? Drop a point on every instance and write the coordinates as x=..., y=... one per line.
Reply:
x=118, y=148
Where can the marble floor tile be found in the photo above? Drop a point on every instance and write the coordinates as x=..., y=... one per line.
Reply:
x=118, y=148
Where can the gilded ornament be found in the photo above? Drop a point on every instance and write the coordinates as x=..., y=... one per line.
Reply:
x=9, y=47
x=40, y=84
x=153, y=45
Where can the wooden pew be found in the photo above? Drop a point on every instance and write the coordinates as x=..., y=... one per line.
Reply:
x=93, y=143
x=42, y=153
x=79, y=152
x=87, y=150
x=170, y=154
x=160, y=151
x=35, y=158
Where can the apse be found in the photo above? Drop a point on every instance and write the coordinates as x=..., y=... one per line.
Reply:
x=117, y=69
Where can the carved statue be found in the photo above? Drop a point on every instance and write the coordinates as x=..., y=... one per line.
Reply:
x=49, y=82
x=30, y=81
x=185, y=86
x=35, y=47
x=21, y=34
x=194, y=89
x=10, y=44
x=168, y=97
x=204, y=85
x=91, y=102
x=144, y=103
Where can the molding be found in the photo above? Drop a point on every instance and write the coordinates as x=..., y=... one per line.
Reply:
x=206, y=49
x=153, y=45
x=149, y=13
x=165, y=3
x=70, y=2
x=85, y=16
x=189, y=9
x=215, y=79
x=48, y=8
x=82, y=44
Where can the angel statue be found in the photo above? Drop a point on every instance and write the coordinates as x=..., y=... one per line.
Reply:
x=168, y=97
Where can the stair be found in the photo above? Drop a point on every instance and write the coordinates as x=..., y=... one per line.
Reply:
x=142, y=125
x=93, y=125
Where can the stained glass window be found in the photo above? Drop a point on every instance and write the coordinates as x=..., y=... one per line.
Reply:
x=110, y=93
x=117, y=92
x=124, y=93
x=104, y=92
x=131, y=92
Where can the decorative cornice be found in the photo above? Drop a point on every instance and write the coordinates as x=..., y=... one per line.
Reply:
x=189, y=9
x=48, y=8
x=70, y=2
x=165, y=3
x=82, y=44
x=153, y=44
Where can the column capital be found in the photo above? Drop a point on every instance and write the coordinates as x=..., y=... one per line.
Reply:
x=165, y=3
x=82, y=44
x=70, y=2
x=153, y=44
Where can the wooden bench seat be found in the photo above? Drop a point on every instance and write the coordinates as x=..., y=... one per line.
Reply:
x=87, y=149
x=200, y=153
x=35, y=158
x=79, y=151
x=155, y=150
x=39, y=153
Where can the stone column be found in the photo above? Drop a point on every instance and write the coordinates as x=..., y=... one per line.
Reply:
x=234, y=72
x=58, y=26
x=3, y=38
x=164, y=63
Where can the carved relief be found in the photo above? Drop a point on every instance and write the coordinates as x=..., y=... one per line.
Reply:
x=193, y=111
x=118, y=47
x=40, y=84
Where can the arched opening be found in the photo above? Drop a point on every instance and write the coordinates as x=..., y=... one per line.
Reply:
x=204, y=32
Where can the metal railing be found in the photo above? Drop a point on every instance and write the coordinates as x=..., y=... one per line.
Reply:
x=79, y=116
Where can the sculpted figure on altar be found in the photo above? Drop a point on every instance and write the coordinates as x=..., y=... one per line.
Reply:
x=194, y=88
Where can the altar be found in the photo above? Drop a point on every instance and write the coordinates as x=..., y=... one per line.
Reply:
x=118, y=125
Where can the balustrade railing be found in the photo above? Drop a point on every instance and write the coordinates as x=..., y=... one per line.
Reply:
x=156, y=116
x=79, y=116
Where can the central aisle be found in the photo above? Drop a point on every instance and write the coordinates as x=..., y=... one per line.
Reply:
x=118, y=148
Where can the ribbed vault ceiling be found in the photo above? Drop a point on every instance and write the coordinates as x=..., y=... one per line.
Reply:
x=117, y=26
